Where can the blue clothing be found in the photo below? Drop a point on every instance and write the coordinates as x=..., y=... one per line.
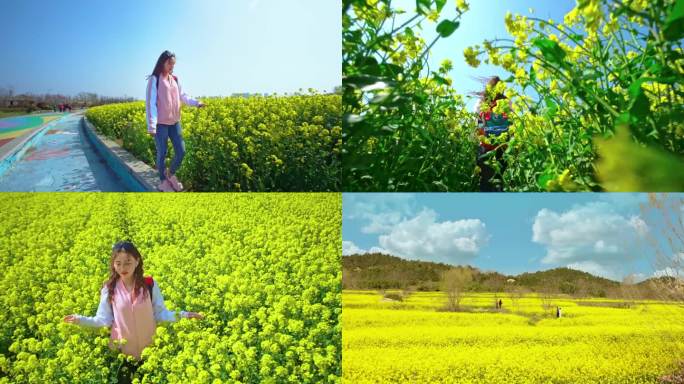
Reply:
x=165, y=132
x=496, y=125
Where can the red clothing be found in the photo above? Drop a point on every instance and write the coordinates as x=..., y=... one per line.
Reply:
x=491, y=124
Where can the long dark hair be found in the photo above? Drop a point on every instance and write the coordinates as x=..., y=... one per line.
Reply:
x=159, y=67
x=488, y=82
x=138, y=280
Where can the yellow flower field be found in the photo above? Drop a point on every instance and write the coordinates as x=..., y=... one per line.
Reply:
x=595, y=341
x=271, y=143
x=263, y=269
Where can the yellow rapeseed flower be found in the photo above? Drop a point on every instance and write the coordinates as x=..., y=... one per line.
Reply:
x=462, y=5
x=471, y=57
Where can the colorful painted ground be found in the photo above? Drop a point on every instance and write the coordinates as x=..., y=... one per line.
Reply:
x=595, y=340
x=61, y=160
x=13, y=127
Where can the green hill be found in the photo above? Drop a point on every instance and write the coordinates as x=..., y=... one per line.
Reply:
x=381, y=271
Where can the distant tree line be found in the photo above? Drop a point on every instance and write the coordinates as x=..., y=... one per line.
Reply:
x=380, y=272
x=30, y=102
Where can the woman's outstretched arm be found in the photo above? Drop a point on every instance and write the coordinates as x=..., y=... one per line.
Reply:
x=163, y=314
x=187, y=99
x=103, y=318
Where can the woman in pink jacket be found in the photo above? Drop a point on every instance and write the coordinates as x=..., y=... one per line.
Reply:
x=131, y=304
x=162, y=105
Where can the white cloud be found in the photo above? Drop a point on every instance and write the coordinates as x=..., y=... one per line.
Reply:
x=349, y=248
x=379, y=250
x=380, y=212
x=593, y=238
x=637, y=277
x=673, y=267
x=639, y=225
x=595, y=269
x=423, y=237
x=601, y=247
x=669, y=272
x=381, y=222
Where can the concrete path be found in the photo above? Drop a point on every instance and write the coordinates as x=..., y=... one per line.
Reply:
x=61, y=160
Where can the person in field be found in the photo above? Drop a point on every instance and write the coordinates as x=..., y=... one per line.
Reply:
x=131, y=305
x=558, y=312
x=500, y=304
x=163, y=100
x=490, y=124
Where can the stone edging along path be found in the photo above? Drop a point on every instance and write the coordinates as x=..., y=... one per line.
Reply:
x=135, y=173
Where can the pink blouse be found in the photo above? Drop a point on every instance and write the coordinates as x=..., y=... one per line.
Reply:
x=132, y=320
x=162, y=106
x=168, y=102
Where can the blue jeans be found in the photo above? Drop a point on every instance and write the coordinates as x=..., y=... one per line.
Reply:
x=161, y=138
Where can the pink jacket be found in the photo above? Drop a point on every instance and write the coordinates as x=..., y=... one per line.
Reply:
x=134, y=321
x=163, y=106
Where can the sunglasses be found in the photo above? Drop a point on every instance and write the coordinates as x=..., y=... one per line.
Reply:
x=126, y=246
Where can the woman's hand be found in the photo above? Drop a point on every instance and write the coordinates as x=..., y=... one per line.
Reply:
x=151, y=133
x=71, y=319
x=193, y=315
x=201, y=105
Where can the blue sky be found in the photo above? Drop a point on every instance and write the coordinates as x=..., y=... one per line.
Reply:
x=221, y=46
x=484, y=20
x=604, y=234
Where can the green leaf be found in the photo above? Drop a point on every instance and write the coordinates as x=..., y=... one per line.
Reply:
x=581, y=4
x=423, y=6
x=551, y=107
x=391, y=70
x=447, y=27
x=388, y=129
x=440, y=4
x=359, y=81
x=591, y=74
x=550, y=50
x=533, y=75
x=369, y=66
x=639, y=105
x=442, y=187
x=441, y=80
x=356, y=161
x=624, y=118
x=380, y=98
x=674, y=24
x=351, y=118
x=544, y=178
